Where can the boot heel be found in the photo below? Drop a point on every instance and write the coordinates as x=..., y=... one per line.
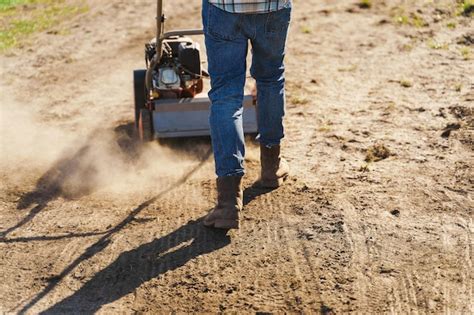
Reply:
x=274, y=168
x=226, y=224
x=272, y=183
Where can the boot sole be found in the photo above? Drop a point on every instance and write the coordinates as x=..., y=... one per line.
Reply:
x=223, y=224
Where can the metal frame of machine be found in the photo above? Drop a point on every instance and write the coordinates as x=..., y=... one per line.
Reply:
x=167, y=101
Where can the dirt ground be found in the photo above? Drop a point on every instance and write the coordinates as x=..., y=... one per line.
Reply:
x=377, y=216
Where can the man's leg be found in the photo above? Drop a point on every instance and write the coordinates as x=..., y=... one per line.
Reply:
x=268, y=69
x=226, y=51
x=268, y=48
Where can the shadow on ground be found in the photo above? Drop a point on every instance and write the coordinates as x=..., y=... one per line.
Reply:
x=203, y=243
x=133, y=268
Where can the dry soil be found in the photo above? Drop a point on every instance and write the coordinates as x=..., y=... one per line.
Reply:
x=377, y=216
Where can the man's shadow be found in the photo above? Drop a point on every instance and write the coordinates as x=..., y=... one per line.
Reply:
x=135, y=267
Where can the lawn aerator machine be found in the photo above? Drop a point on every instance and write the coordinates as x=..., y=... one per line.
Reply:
x=169, y=97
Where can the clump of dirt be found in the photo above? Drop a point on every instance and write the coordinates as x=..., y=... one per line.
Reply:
x=464, y=126
x=450, y=128
x=463, y=113
x=466, y=39
x=377, y=152
x=395, y=212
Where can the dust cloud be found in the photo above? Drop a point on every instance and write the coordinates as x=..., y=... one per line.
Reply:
x=69, y=163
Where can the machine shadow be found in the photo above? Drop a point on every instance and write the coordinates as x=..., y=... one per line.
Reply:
x=58, y=181
x=133, y=268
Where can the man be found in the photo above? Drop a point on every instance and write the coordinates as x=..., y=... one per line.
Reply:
x=229, y=26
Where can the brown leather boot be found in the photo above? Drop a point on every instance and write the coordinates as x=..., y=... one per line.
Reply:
x=275, y=169
x=229, y=203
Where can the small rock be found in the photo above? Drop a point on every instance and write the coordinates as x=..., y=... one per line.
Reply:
x=395, y=212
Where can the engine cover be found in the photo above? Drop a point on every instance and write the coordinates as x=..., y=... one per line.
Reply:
x=189, y=57
x=167, y=79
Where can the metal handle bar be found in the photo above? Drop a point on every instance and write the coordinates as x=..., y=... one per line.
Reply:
x=182, y=33
x=160, y=37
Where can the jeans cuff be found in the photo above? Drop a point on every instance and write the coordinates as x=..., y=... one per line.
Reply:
x=239, y=173
x=269, y=145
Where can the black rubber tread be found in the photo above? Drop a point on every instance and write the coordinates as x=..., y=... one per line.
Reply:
x=139, y=92
x=145, y=125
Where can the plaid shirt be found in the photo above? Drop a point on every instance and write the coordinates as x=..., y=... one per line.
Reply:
x=250, y=6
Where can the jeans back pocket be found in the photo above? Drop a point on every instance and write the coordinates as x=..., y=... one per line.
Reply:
x=277, y=22
x=221, y=24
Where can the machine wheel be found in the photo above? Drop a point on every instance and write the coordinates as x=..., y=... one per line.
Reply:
x=139, y=92
x=145, y=125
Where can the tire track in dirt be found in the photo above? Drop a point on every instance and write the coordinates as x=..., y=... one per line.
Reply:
x=299, y=287
x=469, y=253
x=359, y=250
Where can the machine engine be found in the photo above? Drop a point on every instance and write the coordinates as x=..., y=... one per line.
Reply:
x=179, y=73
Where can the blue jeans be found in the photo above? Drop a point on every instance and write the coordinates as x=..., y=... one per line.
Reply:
x=227, y=36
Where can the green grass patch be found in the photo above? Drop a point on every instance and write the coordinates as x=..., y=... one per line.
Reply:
x=351, y=68
x=325, y=126
x=466, y=7
x=433, y=44
x=451, y=25
x=406, y=83
x=465, y=52
x=365, y=4
x=299, y=100
x=458, y=87
x=6, y=4
x=11, y=4
x=412, y=20
x=306, y=30
x=21, y=18
x=418, y=21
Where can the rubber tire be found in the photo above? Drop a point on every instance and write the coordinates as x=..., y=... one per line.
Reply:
x=139, y=92
x=145, y=125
